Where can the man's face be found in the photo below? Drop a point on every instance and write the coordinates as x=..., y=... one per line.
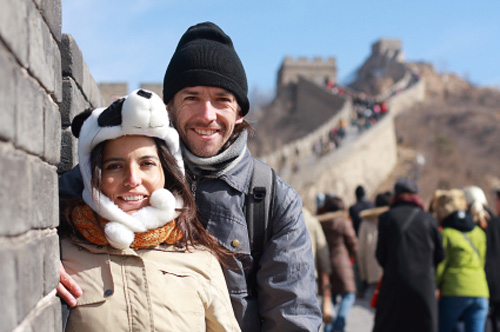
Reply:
x=205, y=118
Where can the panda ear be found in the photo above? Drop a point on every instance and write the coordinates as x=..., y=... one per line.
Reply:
x=78, y=120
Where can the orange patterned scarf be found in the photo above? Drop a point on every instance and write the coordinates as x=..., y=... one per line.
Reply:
x=91, y=226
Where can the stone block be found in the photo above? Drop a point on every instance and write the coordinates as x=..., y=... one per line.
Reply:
x=8, y=290
x=91, y=89
x=43, y=51
x=13, y=27
x=29, y=115
x=9, y=74
x=69, y=151
x=73, y=102
x=51, y=263
x=49, y=318
x=71, y=59
x=52, y=132
x=29, y=271
x=43, y=195
x=51, y=11
x=74, y=65
x=57, y=95
x=14, y=191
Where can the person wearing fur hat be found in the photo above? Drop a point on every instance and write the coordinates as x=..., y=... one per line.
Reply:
x=460, y=277
x=478, y=207
x=133, y=242
x=205, y=90
x=408, y=249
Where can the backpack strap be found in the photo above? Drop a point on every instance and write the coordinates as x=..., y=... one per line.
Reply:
x=259, y=214
x=472, y=245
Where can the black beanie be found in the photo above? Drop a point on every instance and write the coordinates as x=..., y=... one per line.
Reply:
x=205, y=56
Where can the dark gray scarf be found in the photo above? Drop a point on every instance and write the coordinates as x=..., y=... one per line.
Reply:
x=219, y=164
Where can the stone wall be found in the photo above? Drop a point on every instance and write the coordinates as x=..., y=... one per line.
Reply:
x=368, y=160
x=80, y=93
x=30, y=122
x=37, y=102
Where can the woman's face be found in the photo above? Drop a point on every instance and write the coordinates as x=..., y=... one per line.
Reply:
x=131, y=171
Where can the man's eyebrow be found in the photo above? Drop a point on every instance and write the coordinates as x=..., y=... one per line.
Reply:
x=189, y=92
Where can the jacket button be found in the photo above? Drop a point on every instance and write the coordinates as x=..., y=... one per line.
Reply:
x=235, y=243
x=108, y=292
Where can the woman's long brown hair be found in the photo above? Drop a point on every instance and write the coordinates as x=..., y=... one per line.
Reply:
x=193, y=234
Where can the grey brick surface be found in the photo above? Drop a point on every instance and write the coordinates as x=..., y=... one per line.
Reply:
x=14, y=27
x=29, y=270
x=14, y=191
x=29, y=115
x=51, y=11
x=48, y=319
x=8, y=289
x=69, y=156
x=43, y=50
x=51, y=263
x=57, y=95
x=9, y=76
x=73, y=102
x=52, y=132
x=43, y=195
x=73, y=65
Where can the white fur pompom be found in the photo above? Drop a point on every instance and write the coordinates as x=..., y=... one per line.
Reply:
x=162, y=209
x=118, y=235
x=162, y=199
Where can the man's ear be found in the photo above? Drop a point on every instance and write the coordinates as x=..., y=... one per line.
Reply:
x=239, y=119
x=239, y=116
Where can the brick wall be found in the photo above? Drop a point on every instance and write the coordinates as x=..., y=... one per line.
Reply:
x=30, y=122
x=37, y=101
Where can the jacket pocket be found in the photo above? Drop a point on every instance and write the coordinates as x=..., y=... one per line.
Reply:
x=90, y=270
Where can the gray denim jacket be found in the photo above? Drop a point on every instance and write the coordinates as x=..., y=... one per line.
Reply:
x=285, y=299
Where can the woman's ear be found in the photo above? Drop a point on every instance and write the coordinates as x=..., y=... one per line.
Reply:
x=78, y=120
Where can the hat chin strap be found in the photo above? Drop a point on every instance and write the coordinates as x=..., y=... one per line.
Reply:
x=121, y=228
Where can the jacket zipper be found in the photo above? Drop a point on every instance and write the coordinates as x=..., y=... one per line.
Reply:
x=193, y=184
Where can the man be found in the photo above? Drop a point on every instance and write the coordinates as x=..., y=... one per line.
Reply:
x=362, y=203
x=409, y=247
x=205, y=89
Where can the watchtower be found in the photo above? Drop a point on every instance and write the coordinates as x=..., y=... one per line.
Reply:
x=317, y=70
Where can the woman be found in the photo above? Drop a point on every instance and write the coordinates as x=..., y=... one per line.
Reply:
x=342, y=243
x=135, y=247
x=460, y=276
x=408, y=249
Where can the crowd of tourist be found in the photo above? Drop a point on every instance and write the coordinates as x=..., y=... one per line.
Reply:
x=422, y=269
x=367, y=111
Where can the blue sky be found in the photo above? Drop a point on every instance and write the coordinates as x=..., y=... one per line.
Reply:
x=132, y=40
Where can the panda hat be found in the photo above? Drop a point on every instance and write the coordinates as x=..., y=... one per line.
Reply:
x=141, y=112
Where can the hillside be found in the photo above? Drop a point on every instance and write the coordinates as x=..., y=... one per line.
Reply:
x=456, y=130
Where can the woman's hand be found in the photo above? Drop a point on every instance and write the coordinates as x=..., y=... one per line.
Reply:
x=68, y=290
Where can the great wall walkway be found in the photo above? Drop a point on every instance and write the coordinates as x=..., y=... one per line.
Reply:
x=361, y=317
